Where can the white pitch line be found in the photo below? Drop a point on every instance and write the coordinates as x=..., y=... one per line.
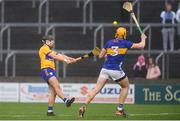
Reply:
x=153, y=114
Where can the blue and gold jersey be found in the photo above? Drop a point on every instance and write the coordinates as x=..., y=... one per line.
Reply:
x=46, y=60
x=116, y=51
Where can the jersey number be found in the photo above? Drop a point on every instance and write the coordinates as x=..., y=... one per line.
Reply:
x=115, y=50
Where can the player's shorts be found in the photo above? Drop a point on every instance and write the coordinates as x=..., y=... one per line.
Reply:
x=115, y=75
x=47, y=73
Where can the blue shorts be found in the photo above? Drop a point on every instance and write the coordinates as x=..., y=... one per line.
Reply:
x=47, y=73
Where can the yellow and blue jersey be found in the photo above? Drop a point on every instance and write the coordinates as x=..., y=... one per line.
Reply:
x=116, y=51
x=46, y=60
x=47, y=63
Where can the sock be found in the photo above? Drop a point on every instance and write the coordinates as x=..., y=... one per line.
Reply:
x=120, y=107
x=65, y=100
x=50, y=109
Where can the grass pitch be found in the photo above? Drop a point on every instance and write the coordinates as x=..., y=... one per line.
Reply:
x=37, y=111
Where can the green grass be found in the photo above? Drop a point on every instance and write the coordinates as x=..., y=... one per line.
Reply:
x=17, y=111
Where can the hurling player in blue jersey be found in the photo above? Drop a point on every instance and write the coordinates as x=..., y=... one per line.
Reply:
x=114, y=51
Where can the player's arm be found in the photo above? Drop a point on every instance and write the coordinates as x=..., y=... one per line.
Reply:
x=141, y=44
x=72, y=60
x=67, y=57
x=61, y=57
x=102, y=53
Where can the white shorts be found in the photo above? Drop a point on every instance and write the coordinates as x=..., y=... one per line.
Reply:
x=115, y=75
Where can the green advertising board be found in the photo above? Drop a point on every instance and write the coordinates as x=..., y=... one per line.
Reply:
x=159, y=94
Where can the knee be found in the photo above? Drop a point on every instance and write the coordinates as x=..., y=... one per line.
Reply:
x=54, y=95
x=125, y=86
x=56, y=87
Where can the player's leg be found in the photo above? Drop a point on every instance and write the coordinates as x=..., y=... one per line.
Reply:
x=99, y=85
x=124, y=83
x=120, y=77
x=55, y=84
x=124, y=91
x=51, y=101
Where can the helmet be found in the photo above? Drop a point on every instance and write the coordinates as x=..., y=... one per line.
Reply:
x=47, y=37
x=121, y=33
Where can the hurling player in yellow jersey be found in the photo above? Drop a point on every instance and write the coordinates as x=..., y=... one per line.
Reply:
x=48, y=58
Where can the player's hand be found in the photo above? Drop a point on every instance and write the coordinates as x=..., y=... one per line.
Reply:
x=72, y=61
x=67, y=61
x=143, y=36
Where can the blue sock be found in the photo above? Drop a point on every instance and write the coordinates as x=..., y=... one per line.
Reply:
x=65, y=100
x=50, y=109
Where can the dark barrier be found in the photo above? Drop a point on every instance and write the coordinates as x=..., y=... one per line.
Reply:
x=169, y=94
